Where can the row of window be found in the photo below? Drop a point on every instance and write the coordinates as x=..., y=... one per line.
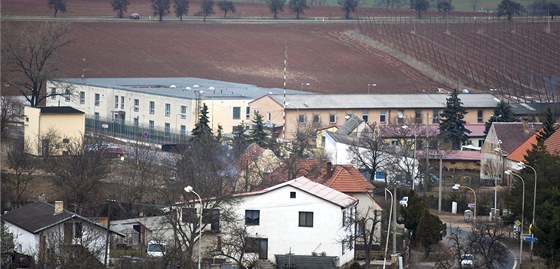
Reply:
x=302, y=118
x=237, y=113
x=252, y=218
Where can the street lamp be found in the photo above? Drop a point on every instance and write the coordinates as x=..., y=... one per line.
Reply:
x=509, y=172
x=523, y=165
x=456, y=187
x=190, y=189
x=388, y=228
x=370, y=84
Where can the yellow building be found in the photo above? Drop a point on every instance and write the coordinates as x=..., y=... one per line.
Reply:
x=322, y=110
x=51, y=130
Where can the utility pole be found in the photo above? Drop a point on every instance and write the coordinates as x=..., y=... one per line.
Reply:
x=394, y=220
x=427, y=151
x=440, y=182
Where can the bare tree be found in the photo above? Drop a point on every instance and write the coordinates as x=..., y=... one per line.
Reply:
x=30, y=58
x=206, y=8
x=79, y=174
x=11, y=109
x=370, y=150
x=19, y=170
x=366, y=235
x=57, y=5
x=238, y=244
x=160, y=8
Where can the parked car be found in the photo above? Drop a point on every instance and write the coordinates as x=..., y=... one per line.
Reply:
x=467, y=260
x=404, y=201
x=134, y=16
x=155, y=249
x=109, y=151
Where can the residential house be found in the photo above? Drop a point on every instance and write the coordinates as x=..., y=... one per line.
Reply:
x=40, y=229
x=167, y=105
x=533, y=112
x=255, y=165
x=139, y=231
x=51, y=130
x=322, y=110
x=300, y=217
x=503, y=139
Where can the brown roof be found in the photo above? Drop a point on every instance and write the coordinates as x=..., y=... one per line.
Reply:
x=309, y=168
x=250, y=155
x=514, y=134
x=552, y=143
x=518, y=154
x=347, y=179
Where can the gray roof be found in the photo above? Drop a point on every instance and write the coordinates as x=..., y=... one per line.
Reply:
x=38, y=216
x=177, y=87
x=350, y=125
x=362, y=101
x=59, y=110
x=534, y=108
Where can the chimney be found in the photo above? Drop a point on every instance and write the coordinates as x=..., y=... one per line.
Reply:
x=58, y=207
x=525, y=125
x=329, y=170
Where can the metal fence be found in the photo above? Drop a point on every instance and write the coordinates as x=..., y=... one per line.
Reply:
x=118, y=129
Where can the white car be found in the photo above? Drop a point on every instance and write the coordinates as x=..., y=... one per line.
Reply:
x=404, y=201
x=467, y=261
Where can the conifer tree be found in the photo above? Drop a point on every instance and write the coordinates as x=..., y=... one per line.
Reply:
x=202, y=130
x=548, y=128
x=258, y=135
x=502, y=113
x=452, y=126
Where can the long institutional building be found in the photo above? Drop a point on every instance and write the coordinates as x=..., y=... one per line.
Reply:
x=172, y=104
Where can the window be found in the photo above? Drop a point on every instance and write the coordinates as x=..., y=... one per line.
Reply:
x=316, y=118
x=53, y=93
x=212, y=216
x=332, y=118
x=365, y=116
x=65, y=140
x=435, y=117
x=248, y=113
x=67, y=95
x=188, y=215
x=480, y=116
x=305, y=219
x=268, y=116
x=183, y=130
x=400, y=116
x=136, y=122
x=167, y=110
x=97, y=99
x=136, y=105
x=252, y=217
x=301, y=118
x=236, y=113
x=167, y=128
x=78, y=230
x=383, y=116
x=116, y=101
x=82, y=98
x=344, y=218
x=151, y=125
x=152, y=107
x=96, y=116
x=122, y=102
x=183, y=112
x=292, y=194
x=418, y=116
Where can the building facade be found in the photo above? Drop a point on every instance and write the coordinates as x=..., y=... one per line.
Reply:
x=50, y=130
x=170, y=105
x=323, y=110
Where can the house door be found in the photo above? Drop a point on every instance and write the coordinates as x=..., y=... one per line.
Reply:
x=263, y=250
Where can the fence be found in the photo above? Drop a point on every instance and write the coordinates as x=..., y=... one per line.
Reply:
x=119, y=130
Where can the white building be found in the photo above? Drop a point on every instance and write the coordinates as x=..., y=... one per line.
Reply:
x=300, y=217
x=39, y=229
x=170, y=105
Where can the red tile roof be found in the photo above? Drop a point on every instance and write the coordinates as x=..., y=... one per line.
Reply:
x=553, y=143
x=518, y=154
x=347, y=179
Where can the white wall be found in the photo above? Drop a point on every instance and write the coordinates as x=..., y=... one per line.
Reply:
x=279, y=222
x=24, y=241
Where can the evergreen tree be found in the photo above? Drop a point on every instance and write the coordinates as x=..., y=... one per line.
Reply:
x=548, y=126
x=413, y=213
x=202, y=130
x=219, y=134
x=452, y=126
x=502, y=113
x=258, y=135
x=430, y=231
x=240, y=140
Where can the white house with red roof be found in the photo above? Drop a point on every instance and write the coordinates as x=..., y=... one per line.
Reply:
x=299, y=221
